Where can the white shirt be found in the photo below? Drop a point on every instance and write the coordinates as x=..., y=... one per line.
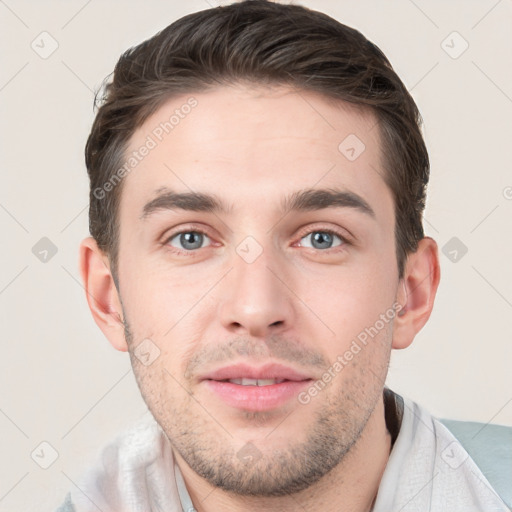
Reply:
x=427, y=471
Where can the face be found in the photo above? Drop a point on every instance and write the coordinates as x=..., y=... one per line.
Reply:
x=258, y=280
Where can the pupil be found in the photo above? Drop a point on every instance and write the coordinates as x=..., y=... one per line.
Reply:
x=192, y=238
x=322, y=238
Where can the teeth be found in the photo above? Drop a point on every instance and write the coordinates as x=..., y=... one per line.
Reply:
x=256, y=382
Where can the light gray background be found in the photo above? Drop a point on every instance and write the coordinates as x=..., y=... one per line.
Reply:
x=60, y=380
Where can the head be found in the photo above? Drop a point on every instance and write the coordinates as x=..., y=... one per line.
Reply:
x=258, y=178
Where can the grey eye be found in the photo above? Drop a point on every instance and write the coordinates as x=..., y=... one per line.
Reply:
x=321, y=239
x=188, y=240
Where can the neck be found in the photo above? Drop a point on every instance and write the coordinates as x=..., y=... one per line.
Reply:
x=352, y=485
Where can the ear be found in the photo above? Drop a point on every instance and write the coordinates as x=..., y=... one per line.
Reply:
x=416, y=292
x=101, y=292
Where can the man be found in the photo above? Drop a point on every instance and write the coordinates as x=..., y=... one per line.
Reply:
x=258, y=178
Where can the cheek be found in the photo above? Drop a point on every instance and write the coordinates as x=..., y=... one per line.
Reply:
x=157, y=298
x=347, y=304
x=162, y=389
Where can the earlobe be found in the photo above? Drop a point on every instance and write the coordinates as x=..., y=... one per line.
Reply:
x=416, y=292
x=101, y=293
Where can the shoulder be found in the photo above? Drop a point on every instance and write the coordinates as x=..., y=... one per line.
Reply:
x=435, y=466
x=490, y=447
x=132, y=472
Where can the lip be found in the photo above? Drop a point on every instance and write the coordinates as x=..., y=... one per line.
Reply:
x=256, y=398
x=268, y=371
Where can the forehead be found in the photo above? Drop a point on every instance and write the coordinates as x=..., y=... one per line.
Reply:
x=252, y=146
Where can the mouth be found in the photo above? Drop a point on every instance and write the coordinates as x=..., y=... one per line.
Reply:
x=256, y=389
x=254, y=382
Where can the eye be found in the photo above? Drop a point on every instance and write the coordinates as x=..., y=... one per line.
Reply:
x=322, y=239
x=188, y=240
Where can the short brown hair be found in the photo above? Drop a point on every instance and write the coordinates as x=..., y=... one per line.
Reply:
x=261, y=42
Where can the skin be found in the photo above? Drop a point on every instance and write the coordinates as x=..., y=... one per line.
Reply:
x=296, y=304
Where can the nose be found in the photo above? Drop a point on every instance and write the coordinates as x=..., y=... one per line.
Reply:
x=255, y=298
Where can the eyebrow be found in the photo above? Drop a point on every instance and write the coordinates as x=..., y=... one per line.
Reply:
x=302, y=200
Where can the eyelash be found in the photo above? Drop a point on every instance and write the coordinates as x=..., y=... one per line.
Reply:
x=191, y=253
